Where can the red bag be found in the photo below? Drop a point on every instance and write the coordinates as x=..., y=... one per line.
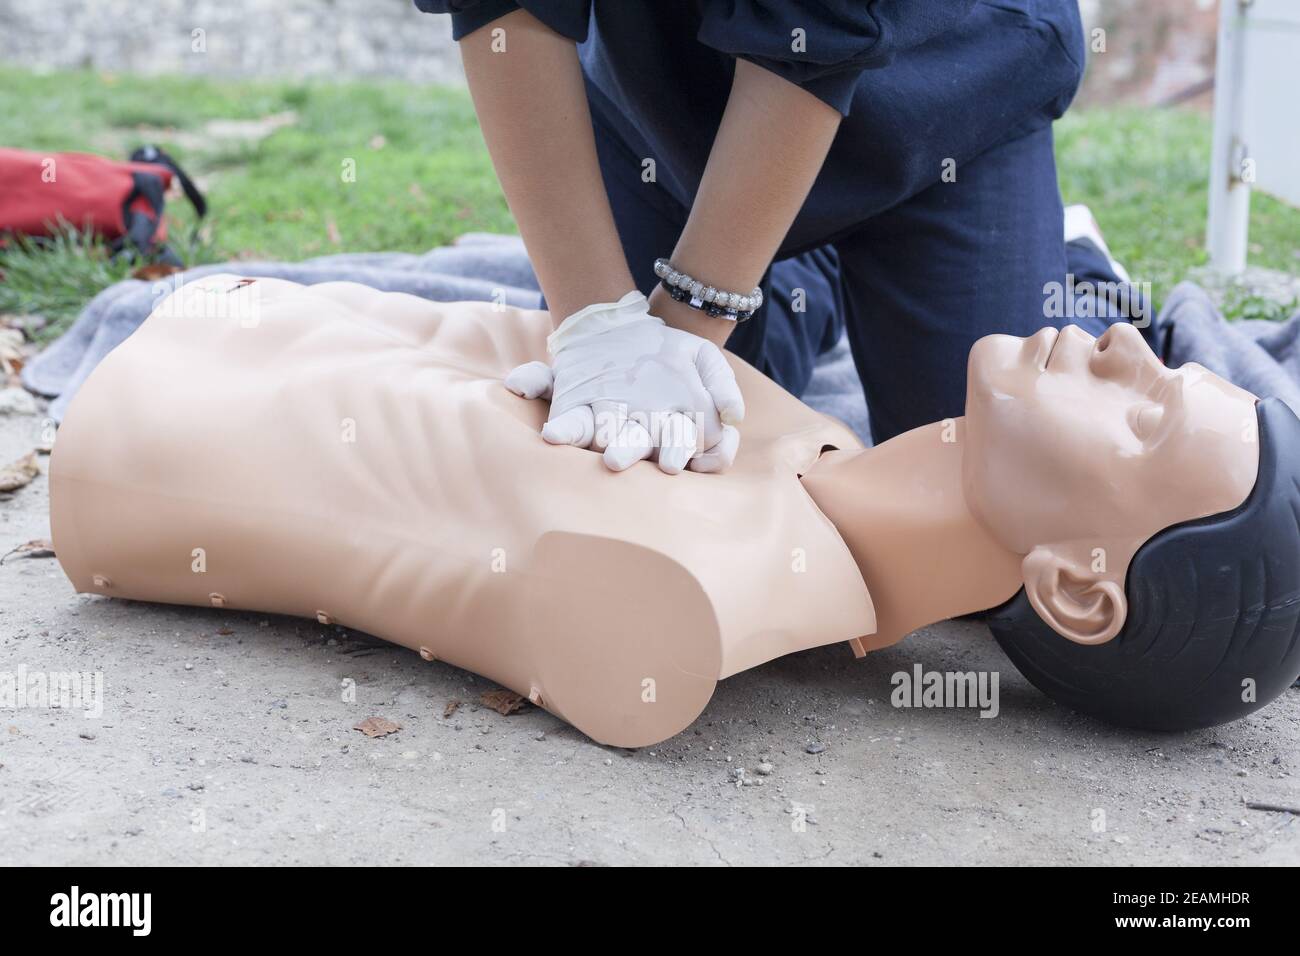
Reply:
x=121, y=202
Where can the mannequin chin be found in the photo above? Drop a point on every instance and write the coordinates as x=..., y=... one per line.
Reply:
x=1079, y=450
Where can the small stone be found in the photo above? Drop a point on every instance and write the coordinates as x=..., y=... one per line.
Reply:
x=815, y=748
x=86, y=735
x=16, y=401
x=189, y=666
x=765, y=769
x=539, y=736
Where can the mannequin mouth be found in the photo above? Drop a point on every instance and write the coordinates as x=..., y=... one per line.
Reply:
x=1048, y=346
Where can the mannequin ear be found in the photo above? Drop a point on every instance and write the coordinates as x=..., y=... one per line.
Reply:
x=1076, y=602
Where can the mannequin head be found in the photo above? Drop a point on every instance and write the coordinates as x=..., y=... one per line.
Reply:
x=1153, y=510
x=1079, y=450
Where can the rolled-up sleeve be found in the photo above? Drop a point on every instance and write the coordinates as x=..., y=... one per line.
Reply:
x=825, y=47
x=568, y=18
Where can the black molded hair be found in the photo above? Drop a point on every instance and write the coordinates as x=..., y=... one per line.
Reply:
x=1213, y=605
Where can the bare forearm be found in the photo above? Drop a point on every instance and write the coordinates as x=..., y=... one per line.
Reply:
x=769, y=148
x=532, y=108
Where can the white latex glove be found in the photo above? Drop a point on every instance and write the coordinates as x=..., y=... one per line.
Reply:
x=624, y=383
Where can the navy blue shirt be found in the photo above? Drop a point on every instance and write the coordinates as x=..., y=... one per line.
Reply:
x=918, y=81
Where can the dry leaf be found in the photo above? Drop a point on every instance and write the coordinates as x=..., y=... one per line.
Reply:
x=504, y=702
x=19, y=473
x=36, y=548
x=453, y=705
x=377, y=727
x=225, y=631
x=11, y=351
x=155, y=270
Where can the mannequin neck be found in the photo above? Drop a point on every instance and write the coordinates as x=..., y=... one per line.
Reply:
x=900, y=509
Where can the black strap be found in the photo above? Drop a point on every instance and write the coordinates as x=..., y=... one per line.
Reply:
x=140, y=226
x=152, y=154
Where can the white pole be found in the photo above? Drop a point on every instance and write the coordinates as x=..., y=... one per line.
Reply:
x=1229, y=207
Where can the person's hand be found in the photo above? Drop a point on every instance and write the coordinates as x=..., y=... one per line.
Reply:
x=624, y=383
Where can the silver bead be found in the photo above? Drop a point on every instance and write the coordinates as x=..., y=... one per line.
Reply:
x=733, y=300
x=710, y=294
x=746, y=304
x=696, y=288
x=758, y=298
x=673, y=276
x=661, y=268
x=684, y=281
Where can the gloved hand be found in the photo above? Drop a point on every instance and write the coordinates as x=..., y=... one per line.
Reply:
x=623, y=382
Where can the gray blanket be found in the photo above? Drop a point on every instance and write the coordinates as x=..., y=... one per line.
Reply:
x=1260, y=356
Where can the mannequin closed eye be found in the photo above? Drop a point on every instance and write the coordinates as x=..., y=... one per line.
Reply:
x=1166, y=402
x=1145, y=420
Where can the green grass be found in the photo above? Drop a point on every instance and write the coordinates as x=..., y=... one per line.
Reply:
x=422, y=173
x=423, y=176
x=1145, y=174
x=55, y=277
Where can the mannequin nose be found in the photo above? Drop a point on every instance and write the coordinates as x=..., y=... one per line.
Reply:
x=1124, y=336
x=1122, y=347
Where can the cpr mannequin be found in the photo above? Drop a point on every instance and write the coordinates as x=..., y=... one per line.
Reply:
x=337, y=452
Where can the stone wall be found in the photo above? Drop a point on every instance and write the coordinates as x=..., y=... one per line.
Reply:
x=235, y=37
x=1154, y=48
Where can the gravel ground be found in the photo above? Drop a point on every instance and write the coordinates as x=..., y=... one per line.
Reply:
x=227, y=738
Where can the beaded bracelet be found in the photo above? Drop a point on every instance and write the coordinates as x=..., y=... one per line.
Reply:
x=705, y=298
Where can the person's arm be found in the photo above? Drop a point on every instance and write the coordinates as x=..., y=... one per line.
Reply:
x=769, y=148
x=532, y=107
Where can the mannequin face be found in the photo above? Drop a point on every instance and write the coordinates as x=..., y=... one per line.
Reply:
x=1080, y=449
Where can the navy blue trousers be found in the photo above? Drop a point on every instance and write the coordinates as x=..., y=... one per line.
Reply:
x=915, y=286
